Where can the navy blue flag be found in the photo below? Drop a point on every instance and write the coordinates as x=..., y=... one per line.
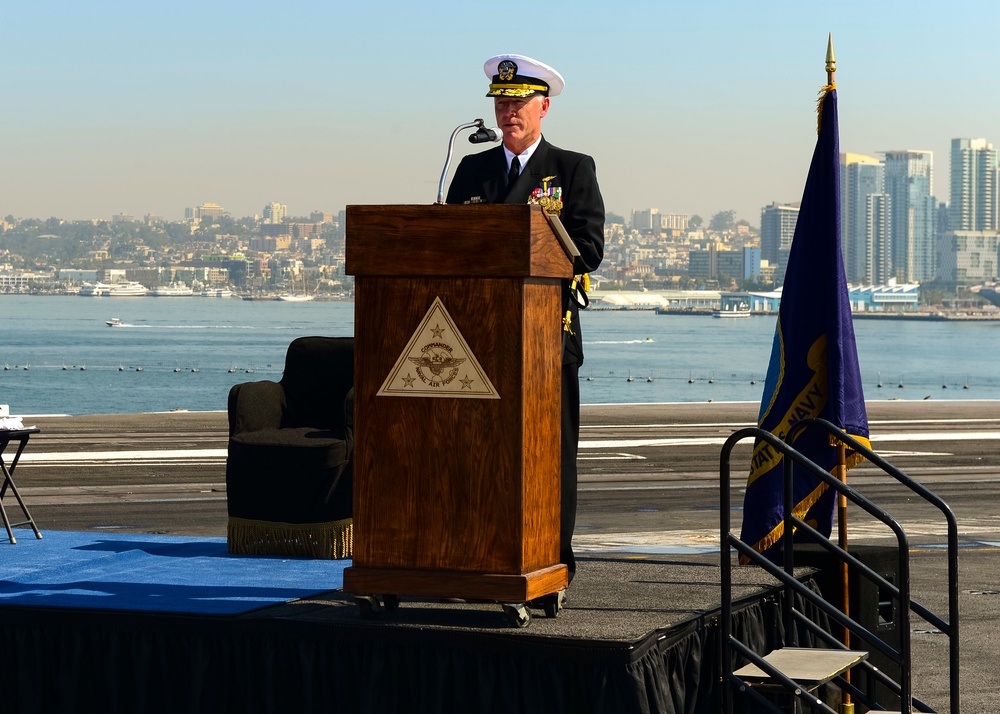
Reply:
x=814, y=368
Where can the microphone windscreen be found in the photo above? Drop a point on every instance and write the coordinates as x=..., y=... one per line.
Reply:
x=483, y=135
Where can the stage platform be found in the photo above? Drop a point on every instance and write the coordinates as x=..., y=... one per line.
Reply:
x=638, y=635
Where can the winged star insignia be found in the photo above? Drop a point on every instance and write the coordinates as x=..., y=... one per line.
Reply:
x=441, y=367
x=434, y=366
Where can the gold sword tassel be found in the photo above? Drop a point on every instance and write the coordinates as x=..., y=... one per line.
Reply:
x=568, y=318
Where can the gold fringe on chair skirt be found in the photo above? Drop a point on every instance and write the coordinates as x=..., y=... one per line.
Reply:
x=332, y=540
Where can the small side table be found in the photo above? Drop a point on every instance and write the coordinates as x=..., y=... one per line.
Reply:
x=8, y=436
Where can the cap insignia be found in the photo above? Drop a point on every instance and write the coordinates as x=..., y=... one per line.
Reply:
x=506, y=70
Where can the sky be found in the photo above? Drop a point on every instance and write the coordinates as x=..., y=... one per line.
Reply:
x=142, y=107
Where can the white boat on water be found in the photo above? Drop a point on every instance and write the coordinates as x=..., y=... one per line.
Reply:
x=173, y=290
x=733, y=310
x=217, y=292
x=114, y=322
x=93, y=290
x=127, y=290
x=295, y=295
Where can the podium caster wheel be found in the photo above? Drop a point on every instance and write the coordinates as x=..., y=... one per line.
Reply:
x=368, y=606
x=516, y=614
x=553, y=604
x=390, y=602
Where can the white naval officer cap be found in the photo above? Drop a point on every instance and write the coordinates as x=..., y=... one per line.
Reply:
x=520, y=76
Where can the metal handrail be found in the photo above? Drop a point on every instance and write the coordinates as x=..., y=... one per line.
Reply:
x=872, y=671
x=786, y=575
x=792, y=585
x=951, y=627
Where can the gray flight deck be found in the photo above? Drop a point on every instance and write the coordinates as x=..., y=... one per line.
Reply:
x=648, y=495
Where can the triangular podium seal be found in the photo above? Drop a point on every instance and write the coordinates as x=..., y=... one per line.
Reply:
x=437, y=362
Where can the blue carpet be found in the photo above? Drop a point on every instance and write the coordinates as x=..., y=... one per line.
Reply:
x=117, y=571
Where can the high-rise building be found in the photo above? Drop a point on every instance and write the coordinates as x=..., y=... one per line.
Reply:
x=777, y=228
x=205, y=210
x=909, y=183
x=751, y=263
x=968, y=257
x=716, y=261
x=877, y=242
x=646, y=220
x=275, y=213
x=674, y=221
x=861, y=177
x=973, y=205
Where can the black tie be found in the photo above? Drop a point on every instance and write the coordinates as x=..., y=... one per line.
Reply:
x=515, y=171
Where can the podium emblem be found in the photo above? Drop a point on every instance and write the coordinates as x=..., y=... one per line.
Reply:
x=437, y=362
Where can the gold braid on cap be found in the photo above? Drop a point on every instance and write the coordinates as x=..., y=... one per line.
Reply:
x=515, y=90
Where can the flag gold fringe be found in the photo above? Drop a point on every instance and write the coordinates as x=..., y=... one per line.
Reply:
x=776, y=534
x=824, y=90
x=329, y=541
x=853, y=457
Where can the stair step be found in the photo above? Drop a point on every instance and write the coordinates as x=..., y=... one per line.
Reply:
x=808, y=666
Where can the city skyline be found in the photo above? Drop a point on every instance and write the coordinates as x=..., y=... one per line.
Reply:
x=694, y=109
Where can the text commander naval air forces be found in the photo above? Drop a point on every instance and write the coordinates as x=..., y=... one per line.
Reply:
x=528, y=169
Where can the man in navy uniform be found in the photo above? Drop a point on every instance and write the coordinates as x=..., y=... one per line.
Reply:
x=524, y=169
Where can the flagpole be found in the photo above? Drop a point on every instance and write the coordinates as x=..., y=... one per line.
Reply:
x=846, y=706
x=842, y=523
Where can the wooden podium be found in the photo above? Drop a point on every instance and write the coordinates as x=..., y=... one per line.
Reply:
x=458, y=353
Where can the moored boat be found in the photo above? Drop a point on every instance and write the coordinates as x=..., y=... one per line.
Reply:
x=733, y=310
x=173, y=290
x=131, y=289
x=93, y=289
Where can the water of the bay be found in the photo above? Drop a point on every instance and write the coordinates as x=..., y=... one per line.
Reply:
x=58, y=356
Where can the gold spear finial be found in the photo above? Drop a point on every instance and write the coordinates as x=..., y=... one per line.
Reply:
x=831, y=61
x=831, y=84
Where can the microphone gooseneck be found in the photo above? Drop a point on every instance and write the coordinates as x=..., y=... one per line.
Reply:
x=482, y=135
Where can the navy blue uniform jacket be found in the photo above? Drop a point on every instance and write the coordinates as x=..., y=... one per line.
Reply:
x=482, y=178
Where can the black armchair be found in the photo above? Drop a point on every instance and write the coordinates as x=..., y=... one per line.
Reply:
x=289, y=476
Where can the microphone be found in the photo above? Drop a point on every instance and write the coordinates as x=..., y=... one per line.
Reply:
x=484, y=135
